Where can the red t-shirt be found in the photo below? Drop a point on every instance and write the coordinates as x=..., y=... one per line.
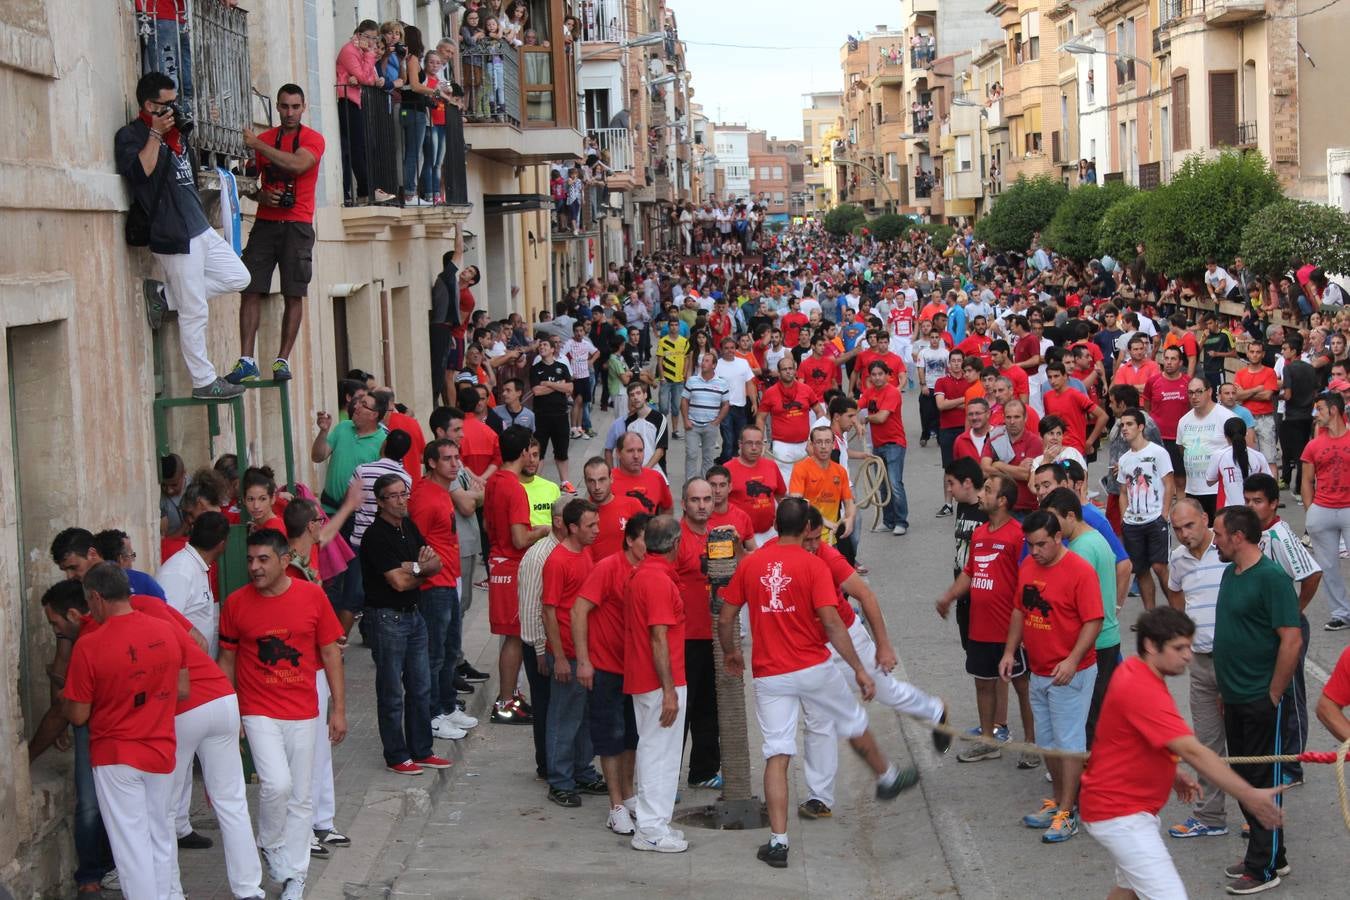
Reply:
x=1126, y=373
x=412, y=460
x=614, y=517
x=1131, y=770
x=505, y=503
x=976, y=345
x=1186, y=342
x=783, y=587
x=965, y=445
x=564, y=573
x=756, y=490
x=840, y=571
x=1020, y=382
x=1167, y=403
x=303, y=210
x=893, y=362
x=276, y=642
x=466, y=305
x=737, y=518
x=1027, y=346
x=991, y=565
x=1338, y=686
x=1028, y=446
x=892, y=431
x=694, y=589
x=606, y=587
x=950, y=388
x=1074, y=407
x=1263, y=378
x=1073, y=595
x=793, y=323
x=481, y=446
x=648, y=488
x=819, y=373
x=1330, y=458
x=653, y=599
x=789, y=410
x=433, y=512
x=127, y=670
x=901, y=320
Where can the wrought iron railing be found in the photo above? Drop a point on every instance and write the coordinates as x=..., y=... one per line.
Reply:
x=1246, y=134
x=603, y=20
x=222, y=88
x=491, y=83
x=376, y=156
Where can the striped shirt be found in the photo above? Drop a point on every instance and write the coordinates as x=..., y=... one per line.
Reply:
x=705, y=396
x=369, y=473
x=530, y=591
x=1198, y=580
x=1281, y=544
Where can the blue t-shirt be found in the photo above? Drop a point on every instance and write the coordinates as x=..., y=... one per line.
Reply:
x=1245, y=415
x=852, y=331
x=142, y=583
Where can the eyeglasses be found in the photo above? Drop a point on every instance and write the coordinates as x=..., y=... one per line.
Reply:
x=401, y=495
x=128, y=554
x=1198, y=391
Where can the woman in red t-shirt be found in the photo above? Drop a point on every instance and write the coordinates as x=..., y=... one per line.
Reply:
x=260, y=491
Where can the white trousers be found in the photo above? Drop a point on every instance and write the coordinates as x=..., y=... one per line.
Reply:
x=1143, y=864
x=210, y=267
x=137, y=814
x=325, y=799
x=283, y=754
x=818, y=689
x=658, y=763
x=211, y=733
x=787, y=455
x=821, y=760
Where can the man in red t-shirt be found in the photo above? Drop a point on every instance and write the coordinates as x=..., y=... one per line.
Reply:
x=1057, y=617
x=1000, y=357
x=1133, y=765
x=1075, y=408
x=283, y=230
x=725, y=514
x=654, y=676
x=1010, y=453
x=125, y=681
x=615, y=511
x=705, y=757
x=599, y=621
x=819, y=371
x=756, y=483
x=1165, y=400
x=879, y=349
x=977, y=343
x=793, y=613
x=506, y=515
x=990, y=580
x=645, y=484
x=480, y=449
x=793, y=322
x=276, y=632
x=785, y=413
x=881, y=404
x=564, y=573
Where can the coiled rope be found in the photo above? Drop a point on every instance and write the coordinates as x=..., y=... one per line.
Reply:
x=872, y=487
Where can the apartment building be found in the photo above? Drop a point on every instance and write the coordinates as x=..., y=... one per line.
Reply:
x=795, y=153
x=869, y=167
x=820, y=114
x=770, y=177
x=731, y=146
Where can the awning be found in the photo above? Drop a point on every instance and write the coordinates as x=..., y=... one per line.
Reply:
x=508, y=204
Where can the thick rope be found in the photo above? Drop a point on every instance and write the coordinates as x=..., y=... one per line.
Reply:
x=872, y=487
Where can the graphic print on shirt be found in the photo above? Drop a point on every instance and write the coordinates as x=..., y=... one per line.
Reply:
x=776, y=582
x=642, y=498
x=1037, y=607
x=1138, y=491
x=273, y=651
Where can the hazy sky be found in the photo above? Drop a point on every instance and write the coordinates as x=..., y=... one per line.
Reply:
x=763, y=88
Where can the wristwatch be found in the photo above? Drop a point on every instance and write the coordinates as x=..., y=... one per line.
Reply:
x=417, y=569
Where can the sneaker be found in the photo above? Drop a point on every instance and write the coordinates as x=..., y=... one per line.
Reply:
x=332, y=838
x=667, y=844
x=462, y=686
x=946, y=510
x=407, y=767
x=505, y=712
x=244, y=370
x=1336, y=625
x=596, y=788
x=461, y=719
x=899, y=530
x=318, y=850
x=619, y=821
x=565, y=799
x=814, y=809
x=1001, y=734
x=880, y=528
x=155, y=304
x=281, y=370
x=714, y=783
x=382, y=196
x=942, y=742
x=1193, y=827
x=469, y=673
x=1044, y=817
x=773, y=854
x=111, y=882
x=1062, y=827
x=433, y=762
x=1028, y=760
x=904, y=778
x=631, y=805
x=294, y=889
x=591, y=433
x=220, y=389
x=518, y=698
x=567, y=488
x=1249, y=884
x=979, y=753
x=677, y=436
x=194, y=841
x=446, y=730
x=1238, y=869
x=272, y=867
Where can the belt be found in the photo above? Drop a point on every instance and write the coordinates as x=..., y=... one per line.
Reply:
x=401, y=610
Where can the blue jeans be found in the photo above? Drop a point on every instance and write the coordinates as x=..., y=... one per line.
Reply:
x=568, y=734
x=92, y=850
x=736, y=419
x=669, y=402
x=440, y=610
x=414, y=128
x=897, y=511
x=165, y=49
x=402, y=683
x=433, y=154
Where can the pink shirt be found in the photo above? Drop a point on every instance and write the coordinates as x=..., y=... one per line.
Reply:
x=352, y=60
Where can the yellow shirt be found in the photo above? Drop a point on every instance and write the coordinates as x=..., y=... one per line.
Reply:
x=673, y=351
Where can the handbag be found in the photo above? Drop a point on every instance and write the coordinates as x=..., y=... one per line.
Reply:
x=137, y=227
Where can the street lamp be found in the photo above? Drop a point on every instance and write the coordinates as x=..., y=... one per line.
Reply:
x=1078, y=48
x=643, y=40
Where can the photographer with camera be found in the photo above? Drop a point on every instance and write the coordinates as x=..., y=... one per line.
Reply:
x=283, y=230
x=166, y=215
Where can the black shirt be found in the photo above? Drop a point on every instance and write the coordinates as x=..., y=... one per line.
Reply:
x=386, y=547
x=1218, y=342
x=1303, y=384
x=556, y=372
x=968, y=518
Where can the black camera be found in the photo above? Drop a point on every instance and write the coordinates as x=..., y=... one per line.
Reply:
x=401, y=48
x=287, y=198
x=181, y=120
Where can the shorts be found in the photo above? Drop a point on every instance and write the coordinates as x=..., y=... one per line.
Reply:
x=1178, y=456
x=613, y=725
x=1060, y=711
x=1145, y=545
x=983, y=657
x=555, y=428
x=503, y=601
x=581, y=387
x=821, y=690
x=288, y=245
x=1143, y=864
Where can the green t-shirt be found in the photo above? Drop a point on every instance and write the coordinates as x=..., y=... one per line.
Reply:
x=542, y=494
x=1251, y=606
x=615, y=368
x=1093, y=547
x=349, y=451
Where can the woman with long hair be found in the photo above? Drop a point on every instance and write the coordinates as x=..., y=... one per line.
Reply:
x=415, y=102
x=1231, y=466
x=259, y=489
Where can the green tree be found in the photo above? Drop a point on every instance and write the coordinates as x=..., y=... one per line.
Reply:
x=1287, y=230
x=1121, y=227
x=1073, y=230
x=940, y=231
x=1202, y=211
x=888, y=226
x=1023, y=209
x=843, y=219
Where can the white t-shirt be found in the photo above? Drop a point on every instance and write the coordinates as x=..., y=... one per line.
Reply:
x=578, y=356
x=1227, y=477
x=1065, y=453
x=1141, y=472
x=772, y=358
x=934, y=362
x=1201, y=439
x=1218, y=278
x=1281, y=544
x=738, y=374
x=807, y=305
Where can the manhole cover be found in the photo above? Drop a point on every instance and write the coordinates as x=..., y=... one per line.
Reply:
x=726, y=815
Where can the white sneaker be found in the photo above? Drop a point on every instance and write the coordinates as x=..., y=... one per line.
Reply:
x=294, y=889
x=899, y=530
x=665, y=844
x=446, y=731
x=631, y=805
x=460, y=719
x=619, y=821
x=111, y=882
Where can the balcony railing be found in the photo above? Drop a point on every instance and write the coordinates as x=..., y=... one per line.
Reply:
x=615, y=146
x=374, y=147
x=603, y=21
x=922, y=57
x=1246, y=134
x=923, y=186
x=491, y=83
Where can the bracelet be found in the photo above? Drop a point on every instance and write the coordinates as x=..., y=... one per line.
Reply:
x=156, y=135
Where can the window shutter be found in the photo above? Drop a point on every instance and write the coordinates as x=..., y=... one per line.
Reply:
x=1223, y=109
x=1181, y=113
